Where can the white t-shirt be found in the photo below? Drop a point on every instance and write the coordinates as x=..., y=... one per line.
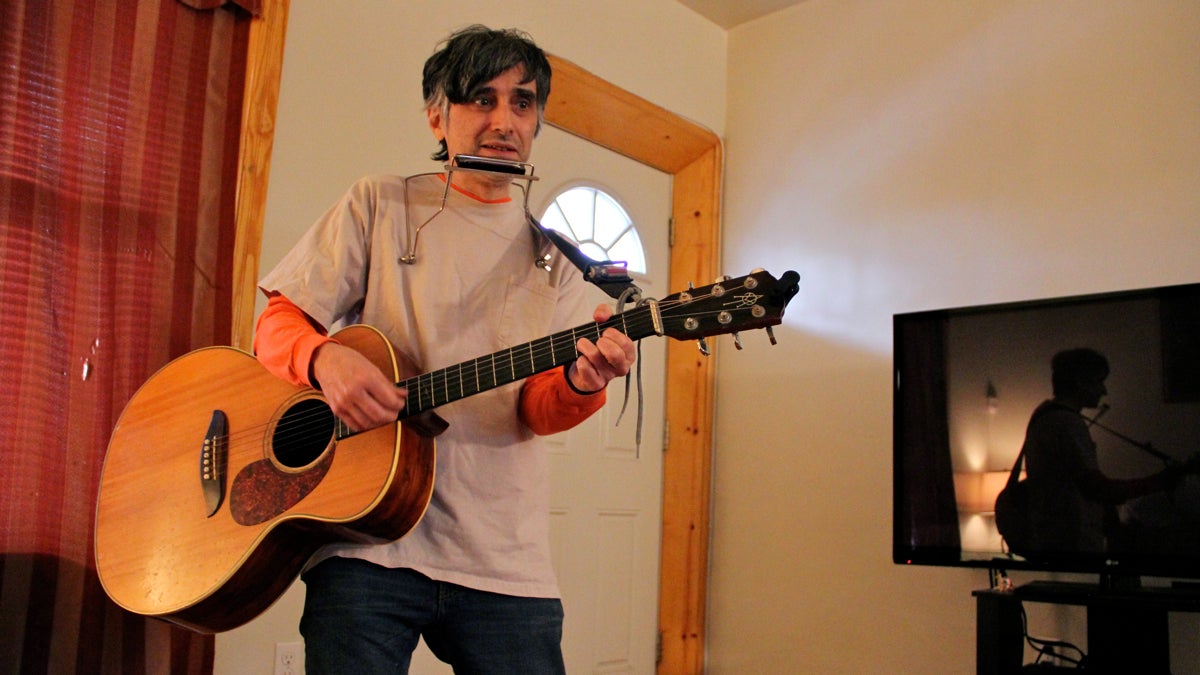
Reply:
x=474, y=290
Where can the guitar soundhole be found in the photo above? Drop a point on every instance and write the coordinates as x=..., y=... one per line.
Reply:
x=303, y=433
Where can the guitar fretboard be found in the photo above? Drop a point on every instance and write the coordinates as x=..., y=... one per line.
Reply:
x=753, y=301
x=439, y=387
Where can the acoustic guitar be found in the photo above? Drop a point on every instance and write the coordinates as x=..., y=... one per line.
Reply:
x=221, y=480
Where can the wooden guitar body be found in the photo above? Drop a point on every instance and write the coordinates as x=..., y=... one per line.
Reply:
x=279, y=484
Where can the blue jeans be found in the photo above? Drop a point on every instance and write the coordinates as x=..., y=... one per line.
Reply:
x=361, y=618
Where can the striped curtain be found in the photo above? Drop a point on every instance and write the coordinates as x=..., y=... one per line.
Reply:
x=119, y=124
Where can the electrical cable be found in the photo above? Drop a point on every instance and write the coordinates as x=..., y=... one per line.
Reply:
x=1049, y=648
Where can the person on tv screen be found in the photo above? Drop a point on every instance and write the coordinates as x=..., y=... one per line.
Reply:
x=1072, y=503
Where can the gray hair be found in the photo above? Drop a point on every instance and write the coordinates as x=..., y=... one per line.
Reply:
x=472, y=57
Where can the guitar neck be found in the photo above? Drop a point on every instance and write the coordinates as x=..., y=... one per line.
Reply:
x=439, y=387
x=753, y=301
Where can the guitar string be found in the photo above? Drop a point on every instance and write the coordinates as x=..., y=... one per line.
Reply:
x=314, y=421
x=310, y=422
x=426, y=393
x=320, y=421
x=304, y=424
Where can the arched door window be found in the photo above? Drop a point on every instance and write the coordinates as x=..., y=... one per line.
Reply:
x=601, y=227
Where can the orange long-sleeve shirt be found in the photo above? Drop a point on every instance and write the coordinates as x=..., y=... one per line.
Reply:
x=286, y=338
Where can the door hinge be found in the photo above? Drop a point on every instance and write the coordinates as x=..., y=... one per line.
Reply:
x=666, y=435
x=658, y=650
x=671, y=232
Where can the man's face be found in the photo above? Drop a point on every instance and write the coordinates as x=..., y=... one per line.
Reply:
x=1092, y=389
x=500, y=121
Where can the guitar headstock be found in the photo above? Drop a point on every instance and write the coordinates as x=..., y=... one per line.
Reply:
x=756, y=300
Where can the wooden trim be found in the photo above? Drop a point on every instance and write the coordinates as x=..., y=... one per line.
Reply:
x=687, y=464
x=264, y=68
x=605, y=114
x=591, y=108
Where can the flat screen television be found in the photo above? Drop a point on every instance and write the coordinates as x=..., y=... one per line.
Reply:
x=967, y=381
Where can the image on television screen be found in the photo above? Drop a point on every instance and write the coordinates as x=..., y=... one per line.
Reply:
x=1099, y=396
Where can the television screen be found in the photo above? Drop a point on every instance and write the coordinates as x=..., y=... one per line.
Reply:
x=1102, y=392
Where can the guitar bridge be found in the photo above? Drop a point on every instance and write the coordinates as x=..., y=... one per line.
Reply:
x=213, y=454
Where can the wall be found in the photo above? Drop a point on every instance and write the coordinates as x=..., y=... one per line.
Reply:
x=905, y=155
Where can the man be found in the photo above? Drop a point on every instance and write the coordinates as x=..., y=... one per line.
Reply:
x=474, y=576
x=1072, y=503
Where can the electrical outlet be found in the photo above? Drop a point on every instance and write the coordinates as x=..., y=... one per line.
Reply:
x=289, y=658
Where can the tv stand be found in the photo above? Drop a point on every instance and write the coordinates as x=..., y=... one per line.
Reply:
x=1126, y=624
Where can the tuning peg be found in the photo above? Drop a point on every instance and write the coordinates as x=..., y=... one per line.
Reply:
x=771, y=335
x=737, y=340
x=703, y=344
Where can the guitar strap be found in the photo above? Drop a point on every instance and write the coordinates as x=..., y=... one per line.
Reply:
x=1015, y=475
x=612, y=278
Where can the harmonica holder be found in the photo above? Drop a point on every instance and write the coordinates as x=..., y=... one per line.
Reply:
x=518, y=172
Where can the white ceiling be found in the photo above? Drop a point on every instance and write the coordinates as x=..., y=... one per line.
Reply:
x=730, y=13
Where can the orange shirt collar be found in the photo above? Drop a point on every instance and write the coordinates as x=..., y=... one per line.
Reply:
x=474, y=196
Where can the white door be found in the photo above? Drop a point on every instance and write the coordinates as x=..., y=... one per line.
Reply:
x=606, y=492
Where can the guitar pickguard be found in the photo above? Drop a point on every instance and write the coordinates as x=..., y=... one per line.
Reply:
x=261, y=491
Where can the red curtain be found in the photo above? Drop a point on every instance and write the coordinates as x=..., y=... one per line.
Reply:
x=119, y=125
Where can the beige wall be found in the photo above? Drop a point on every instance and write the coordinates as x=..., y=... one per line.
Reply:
x=904, y=155
x=899, y=154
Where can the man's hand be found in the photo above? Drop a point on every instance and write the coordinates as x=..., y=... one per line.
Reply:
x=358, y=392
x=610, y=356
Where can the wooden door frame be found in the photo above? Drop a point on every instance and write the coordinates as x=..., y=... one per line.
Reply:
x=596, y=110
x=591, y=108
